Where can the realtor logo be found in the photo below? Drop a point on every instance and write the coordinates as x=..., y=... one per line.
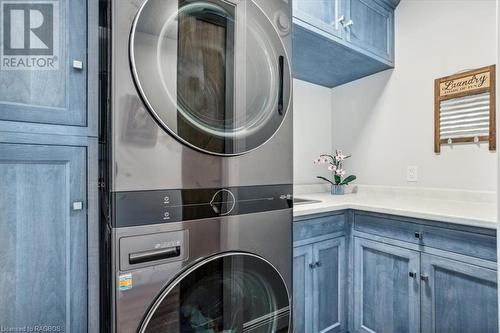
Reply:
x=29, y=35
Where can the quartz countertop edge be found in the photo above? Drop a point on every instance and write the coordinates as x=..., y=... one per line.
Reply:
x=478, y=214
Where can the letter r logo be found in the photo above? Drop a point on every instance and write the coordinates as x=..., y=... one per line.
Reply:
x=28, y=28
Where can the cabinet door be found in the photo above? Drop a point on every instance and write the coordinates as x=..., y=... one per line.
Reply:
x=322, y=14
x=329, y=286
x=302, y=289
x=386, y=297
x=458, y=297
x=43, y=62
x=372, y=28
x=43, y=279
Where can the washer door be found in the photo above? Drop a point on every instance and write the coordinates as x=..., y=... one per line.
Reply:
x=213, y=73
x=229, y=293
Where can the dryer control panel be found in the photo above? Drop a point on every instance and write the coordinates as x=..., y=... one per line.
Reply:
x=167, y=206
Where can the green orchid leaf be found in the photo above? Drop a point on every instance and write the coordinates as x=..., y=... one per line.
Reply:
x=338, y=180
x=323, y=178
x=348, y=179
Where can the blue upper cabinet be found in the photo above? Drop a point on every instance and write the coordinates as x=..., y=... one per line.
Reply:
x=338, y=41
x=43, y=62
x=322, y=14
x=371, y=27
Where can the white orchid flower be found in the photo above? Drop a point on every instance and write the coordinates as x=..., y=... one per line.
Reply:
x=332, y=167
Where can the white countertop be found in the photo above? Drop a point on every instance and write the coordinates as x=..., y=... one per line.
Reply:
x=462, y=207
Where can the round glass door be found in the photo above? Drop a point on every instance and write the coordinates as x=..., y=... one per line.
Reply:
x=213, y=73
x=229, y=293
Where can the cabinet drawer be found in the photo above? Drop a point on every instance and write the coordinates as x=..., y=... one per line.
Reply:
x=479, y=245
x=318, y=226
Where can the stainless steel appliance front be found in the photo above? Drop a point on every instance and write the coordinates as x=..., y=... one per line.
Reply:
x=228, y=274
x=200, y=94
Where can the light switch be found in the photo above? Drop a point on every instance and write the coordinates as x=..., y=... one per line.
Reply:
x=412, y=173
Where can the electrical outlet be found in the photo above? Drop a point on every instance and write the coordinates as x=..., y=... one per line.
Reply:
x=412, y=173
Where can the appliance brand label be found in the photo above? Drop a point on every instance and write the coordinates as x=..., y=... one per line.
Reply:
x=29, y=35
x=125, y=282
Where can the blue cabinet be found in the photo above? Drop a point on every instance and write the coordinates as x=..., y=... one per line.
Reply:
x=319, y=274
x=420, y=276
x=386, y=288
x=49, y=230
x=458, y=297
x=393, y=274
x=302, y=289
x=328, y=304
x=43, y=237
x=322, y=14
x=338, y=41
x=45, y=80
x=371, y=28
x=319, y=278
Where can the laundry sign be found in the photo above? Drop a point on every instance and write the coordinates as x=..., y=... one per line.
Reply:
x=465, y=84
x=465, y=108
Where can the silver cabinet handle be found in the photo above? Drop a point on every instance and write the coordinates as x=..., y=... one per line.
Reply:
x=77, y=205
x=315, y=265
x=419, y=235
x=424, y=277
x=345, y=24
x=413, y=275
x=78, y=64
x=341, y=20
x=348, y=24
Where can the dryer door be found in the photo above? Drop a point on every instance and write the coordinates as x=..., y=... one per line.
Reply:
x=228, y=293
x=213, y=73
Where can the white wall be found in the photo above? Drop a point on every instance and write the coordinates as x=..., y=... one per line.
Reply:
x=312, y=118
x=386, y=120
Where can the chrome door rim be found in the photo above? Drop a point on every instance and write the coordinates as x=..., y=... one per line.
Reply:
x=162, y=123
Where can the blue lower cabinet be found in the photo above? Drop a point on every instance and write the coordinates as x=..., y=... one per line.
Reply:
x=43, y=237
x=329, y=278
x=457, y=297
x=396, y=284
x=302, y=289
x=386, y=288
x=319, y=286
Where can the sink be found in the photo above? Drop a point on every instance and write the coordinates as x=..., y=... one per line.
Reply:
x=300, y=201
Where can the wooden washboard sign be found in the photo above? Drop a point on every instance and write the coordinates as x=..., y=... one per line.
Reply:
x=465, y=107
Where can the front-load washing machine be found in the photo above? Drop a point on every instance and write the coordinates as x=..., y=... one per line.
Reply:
x=196, y=168
x=227, y=274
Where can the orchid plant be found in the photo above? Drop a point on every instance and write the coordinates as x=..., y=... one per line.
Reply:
x=336, y=165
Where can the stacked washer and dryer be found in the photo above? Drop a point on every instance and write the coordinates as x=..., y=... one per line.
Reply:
x=199, y=166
